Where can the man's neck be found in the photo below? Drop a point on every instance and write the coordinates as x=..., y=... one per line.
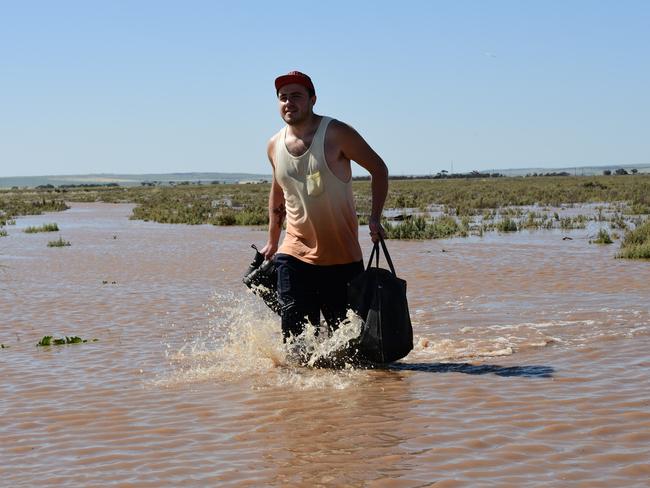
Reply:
x=305, y=128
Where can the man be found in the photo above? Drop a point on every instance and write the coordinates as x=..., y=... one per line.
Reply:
x=312, y=188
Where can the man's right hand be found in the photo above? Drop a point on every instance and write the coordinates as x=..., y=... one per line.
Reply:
x=269, y=250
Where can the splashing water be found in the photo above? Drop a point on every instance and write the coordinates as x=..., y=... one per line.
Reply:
x=243, y=340
x=323, y=349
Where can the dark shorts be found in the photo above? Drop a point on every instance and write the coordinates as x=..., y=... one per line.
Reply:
x=305, y=290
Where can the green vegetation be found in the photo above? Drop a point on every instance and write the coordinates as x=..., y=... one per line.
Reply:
x=475, y=205
x=577, y=222
x=470, y=196
x=3, y=233
x=58, y=243
x=603, y=237
x=27, y=202
x=201, y=204
x=639, y=209
x=53, y=227
x=507, y=225
x=420, y=228
x=208, y=204
x=52, y=341
x=636, y=243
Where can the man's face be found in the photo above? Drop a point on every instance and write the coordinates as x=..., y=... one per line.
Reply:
x=295, y=103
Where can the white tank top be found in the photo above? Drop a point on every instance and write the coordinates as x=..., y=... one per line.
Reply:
x=322, y=226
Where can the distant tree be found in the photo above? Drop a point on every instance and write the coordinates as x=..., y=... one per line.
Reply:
x=621, y=171
x=634, y=171
x=607, y=172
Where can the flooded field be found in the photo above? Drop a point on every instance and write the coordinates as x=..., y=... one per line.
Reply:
x=530, y=367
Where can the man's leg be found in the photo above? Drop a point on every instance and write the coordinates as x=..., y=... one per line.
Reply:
x=333, y=291
x=297, y=294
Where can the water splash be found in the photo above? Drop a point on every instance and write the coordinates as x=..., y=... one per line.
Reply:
x=242, y=341
x=317, y=348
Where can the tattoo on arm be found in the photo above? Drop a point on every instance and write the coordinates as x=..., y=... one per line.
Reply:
x=279, y=213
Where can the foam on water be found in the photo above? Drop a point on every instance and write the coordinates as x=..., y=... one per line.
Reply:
x=485, y=341
x=242, y=340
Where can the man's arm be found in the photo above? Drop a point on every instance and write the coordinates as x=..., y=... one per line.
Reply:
x=277, y=211
x=355, y=148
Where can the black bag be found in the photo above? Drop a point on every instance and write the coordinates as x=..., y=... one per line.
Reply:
x=262, y=278
x=378, y=296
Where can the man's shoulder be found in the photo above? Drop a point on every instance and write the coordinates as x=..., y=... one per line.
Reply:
x=338, y=130
x=270, y=145
x=276, y=136
x=273, y=139
x=339, y=127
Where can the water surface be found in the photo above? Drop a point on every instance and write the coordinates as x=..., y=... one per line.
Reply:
x=530, y=366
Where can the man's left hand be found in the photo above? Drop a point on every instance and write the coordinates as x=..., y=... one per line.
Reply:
x=376, y=230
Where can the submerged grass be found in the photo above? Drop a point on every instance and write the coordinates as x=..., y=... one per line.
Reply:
x=636, y=243
x=420, y=228
x=59, y=341
x=507, y=225
x=58, y=243
x=53, y=227
x=603, y=237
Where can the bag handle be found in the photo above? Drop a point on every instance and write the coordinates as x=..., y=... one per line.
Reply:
x=375, y=254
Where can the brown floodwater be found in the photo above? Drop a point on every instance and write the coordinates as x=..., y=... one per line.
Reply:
x=530, y=367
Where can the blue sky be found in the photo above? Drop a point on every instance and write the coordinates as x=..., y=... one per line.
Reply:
x=160, y=86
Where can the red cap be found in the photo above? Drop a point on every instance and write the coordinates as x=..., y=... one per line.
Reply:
x=294, y=77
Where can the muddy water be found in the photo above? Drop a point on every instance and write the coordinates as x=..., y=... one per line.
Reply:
x=530, y=368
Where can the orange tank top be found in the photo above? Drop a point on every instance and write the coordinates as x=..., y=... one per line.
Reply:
x=322, y=226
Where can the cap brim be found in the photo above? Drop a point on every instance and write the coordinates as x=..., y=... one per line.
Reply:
x=280, y=81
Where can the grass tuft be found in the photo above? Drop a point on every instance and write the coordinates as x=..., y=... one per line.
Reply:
x=636, y=243
x=58, y=243
x=53, y=227
x=59, y=341
x=419, y=227
x=507, y=225
x=603, y=237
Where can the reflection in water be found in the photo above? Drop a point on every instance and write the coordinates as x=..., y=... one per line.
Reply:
x=543, y=343
x=466, y=368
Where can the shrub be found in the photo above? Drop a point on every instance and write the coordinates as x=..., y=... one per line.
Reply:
x=636, y=243
x=603, y=237
x=507, y=225
x=227, y=217
x=252, y=216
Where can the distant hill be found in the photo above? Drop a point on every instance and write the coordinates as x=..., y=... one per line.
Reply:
x=572, y=170
x=172, y=178
x=129, y=180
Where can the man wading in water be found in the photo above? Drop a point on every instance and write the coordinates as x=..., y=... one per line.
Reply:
x=312, y=188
